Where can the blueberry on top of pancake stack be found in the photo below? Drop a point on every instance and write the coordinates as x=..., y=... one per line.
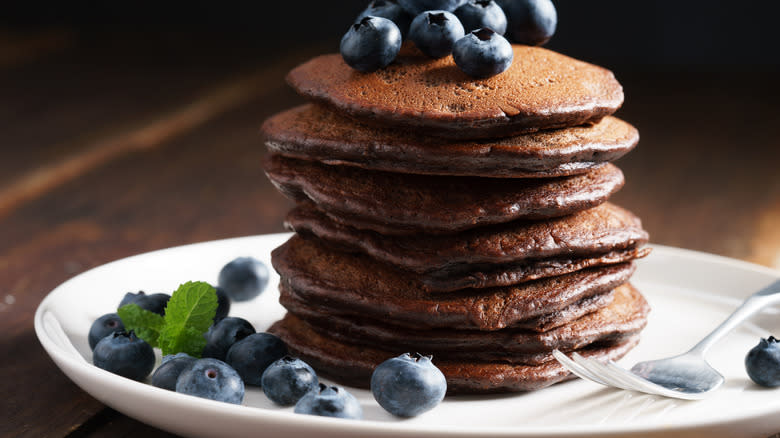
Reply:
x=443, y=212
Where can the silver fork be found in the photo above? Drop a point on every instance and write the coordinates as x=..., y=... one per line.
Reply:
x=687, y=376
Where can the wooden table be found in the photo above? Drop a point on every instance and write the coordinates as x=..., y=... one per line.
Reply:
x=109, y=150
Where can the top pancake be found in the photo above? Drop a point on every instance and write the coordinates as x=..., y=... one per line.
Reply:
x=313, y=132
x=540, y=90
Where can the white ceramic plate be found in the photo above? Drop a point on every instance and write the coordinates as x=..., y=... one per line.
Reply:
x=690, y=294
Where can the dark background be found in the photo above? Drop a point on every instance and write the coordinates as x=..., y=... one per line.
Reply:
x=693, y=34
x=130, y=126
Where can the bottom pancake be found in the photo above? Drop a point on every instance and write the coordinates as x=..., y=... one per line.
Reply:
x=352, y=365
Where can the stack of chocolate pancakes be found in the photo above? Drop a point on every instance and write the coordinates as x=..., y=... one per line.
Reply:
x=462, y=218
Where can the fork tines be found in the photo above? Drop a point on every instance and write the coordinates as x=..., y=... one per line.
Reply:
x=610, y=374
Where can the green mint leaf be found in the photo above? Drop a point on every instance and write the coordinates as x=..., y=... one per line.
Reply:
x=188, y=315
x=191, y=342
x=147, y=325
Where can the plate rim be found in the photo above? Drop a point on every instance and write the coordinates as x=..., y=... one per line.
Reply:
x=57, y=353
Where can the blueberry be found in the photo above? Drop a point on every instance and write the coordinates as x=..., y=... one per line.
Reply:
x=211, y=379
x=763, y=362
x=287, y=380
x=483, y=53
x=130, y=297
x=529, y=22
x=154, y=303
x=435, y=32
x=476, y=14
x=408, y=385
x=167, y=373
x=371, y=43
x=104, y=326
x=243, y=278
x=329, y=401
x=124, y=354
x=178, y=356
x=416, y=7
x=223, y=304
x=222, y=335
x=391, y=10
x=252, y=355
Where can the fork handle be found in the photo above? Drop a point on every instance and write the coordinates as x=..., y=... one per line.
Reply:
x=754, y=303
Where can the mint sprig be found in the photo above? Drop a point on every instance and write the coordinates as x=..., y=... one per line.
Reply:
x=147, y=325
x=188, y=315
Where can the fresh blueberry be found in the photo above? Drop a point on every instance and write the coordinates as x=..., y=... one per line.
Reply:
x=529, y=22
x=329, y=401
x=763, y=362
x=167, y=373
x=178, y=356
x=243, y=278
x=391, y=10
x=476, y=14
x=252, y=355
x=408, y=385
x=124, y=354
x=223, y=304
x=154, y=303
x=416, y=7
x=483, y=53
x=435, y=32
x=211, y=379
x=104, y=326
x=287, y=380
x=371, y=43
x=222, y=335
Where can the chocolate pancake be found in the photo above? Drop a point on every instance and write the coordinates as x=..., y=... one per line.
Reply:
x=624, y=317
x=352, y=365
x=540, y=90
x=498, y=255
x=393, y=203
x=542, y=323
x=356, y=285
x=312, y=132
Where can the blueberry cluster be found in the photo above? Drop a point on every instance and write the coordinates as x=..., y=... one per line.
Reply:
x=251, y=359
x=471, y=30
x=258, y=359
x=236, y=355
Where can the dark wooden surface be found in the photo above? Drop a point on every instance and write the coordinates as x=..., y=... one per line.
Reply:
x=113, y=149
